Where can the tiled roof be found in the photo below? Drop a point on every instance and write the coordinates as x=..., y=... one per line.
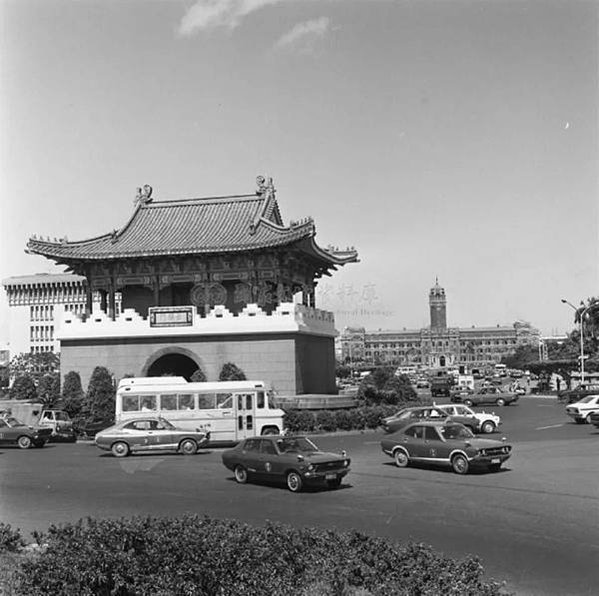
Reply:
x=42, y=279
x=194, y=226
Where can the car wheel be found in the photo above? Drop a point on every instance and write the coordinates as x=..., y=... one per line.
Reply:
x=241, y=474
x=468, y=402
x=294, y=482
x=120, y=449
x=588, y=419
x=488, y=427
x=500, y=401
x=459, y=464
x=24, y=442
x=494, y=467
x=188, y=447
x=401, y=458
x=334, y=483
x=271, y=430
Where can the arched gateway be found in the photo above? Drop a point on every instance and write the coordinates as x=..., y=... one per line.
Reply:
x=223, y=277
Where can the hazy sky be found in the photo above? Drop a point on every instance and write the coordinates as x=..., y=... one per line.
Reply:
x=441, y=138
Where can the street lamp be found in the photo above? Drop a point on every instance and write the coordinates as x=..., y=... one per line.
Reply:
x=581, y=323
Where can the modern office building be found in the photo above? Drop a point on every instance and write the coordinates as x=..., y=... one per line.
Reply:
x=202, y=282
x=436, y=346
x=36, y=306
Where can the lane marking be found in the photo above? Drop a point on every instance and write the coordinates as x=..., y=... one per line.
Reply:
x=552, y=426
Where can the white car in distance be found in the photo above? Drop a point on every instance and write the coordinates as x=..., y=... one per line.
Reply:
x=581, y=411
x=479, y=422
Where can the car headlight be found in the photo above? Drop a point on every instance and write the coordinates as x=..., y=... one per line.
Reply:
x=482, y=452
x=311, y=468
x=345, y=463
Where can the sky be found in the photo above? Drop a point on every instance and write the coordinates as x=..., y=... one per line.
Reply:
x=443, y=139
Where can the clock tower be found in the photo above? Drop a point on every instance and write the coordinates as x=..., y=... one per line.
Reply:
x=438, y=306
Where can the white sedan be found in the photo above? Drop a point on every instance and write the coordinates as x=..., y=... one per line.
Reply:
x=482, y=422
x=581, y=411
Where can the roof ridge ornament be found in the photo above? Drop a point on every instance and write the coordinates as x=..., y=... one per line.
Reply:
x=143, y=195
x=266, y=188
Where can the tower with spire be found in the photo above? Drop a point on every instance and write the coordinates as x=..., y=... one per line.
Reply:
x=438, y=306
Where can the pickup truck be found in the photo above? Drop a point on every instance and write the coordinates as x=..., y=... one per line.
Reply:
x=35, y=414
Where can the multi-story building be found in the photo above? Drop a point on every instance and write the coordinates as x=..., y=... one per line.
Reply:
x=36, y=305
x=437, y=346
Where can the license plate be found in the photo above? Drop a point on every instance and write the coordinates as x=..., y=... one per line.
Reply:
x=496, y=461
x=330, y=476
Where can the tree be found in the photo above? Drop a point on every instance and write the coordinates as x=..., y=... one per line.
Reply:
x=198, y=376
x=342, y=371
x=48, y=389
x=231, y=372
x=23, y=388
x=99, y=402
x=34, y=365
x=383, y=386
x=72, y=394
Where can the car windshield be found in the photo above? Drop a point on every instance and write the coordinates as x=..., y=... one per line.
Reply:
x=587, y=399
x=456, y=431
x=296, y=444
x=162, y=423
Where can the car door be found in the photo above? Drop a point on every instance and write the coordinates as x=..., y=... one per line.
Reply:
x=161, y=436
x=136, y=433
x=249, y=457
x=5, y=434
x=412, y=440
x=269, y=461
x=465, y=416
x=433, y=445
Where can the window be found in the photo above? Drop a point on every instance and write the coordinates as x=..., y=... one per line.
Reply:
x=168, y=402
x=148, y=403
x=267, y=447
x=252, y=445
x=260, y=400
x=224, y=400
x=130, y=403
x=185, y=401
x=415, y=431
x=206, y=401
x=430, y=433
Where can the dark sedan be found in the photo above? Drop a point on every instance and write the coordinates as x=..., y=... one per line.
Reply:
x=296, y=460
x=486, y=396
x=405, y=416
x=14, y=432
x=448, y=444
x=143, y=435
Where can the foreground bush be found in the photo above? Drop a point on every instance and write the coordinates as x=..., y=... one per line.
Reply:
x=10, y=539
x=202, y=556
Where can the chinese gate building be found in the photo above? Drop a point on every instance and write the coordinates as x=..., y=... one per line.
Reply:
x=196, y=283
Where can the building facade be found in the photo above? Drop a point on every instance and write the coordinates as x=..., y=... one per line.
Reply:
x=36, y=306
x=202, y=282
x=437, y=346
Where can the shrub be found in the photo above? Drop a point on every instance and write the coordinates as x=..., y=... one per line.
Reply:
x=198, y=376
x=48, y=389
x=325, y=420
x=10, y=540
x=231, y=372
x=100, y=400
x=193, y=555
x=23, y=388
x=357, y=419
x=343, y=419
x=299, y=421
x=72, y=394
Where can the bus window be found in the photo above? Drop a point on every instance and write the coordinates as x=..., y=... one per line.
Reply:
x=206, y=401
x=148, y=403
x=260, y=400
x=185, y=401
x=224, y=400
x=271, y=400
x=248, y=401
x=168, y=402
x=130, y=403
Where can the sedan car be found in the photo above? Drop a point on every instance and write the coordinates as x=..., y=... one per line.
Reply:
x=407, y=415
x=450, y=444
x=296, y=460
x=14, y=432
x=582, y=410
x=478, y=422
x=486, y=395
x=153, y=433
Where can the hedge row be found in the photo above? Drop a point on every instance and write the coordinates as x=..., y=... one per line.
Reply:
x=331, y=420
x=202, y=556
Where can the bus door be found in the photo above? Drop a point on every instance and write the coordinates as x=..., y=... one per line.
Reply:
x=245, y=413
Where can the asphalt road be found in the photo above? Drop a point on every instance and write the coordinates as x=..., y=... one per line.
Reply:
x=534, y=524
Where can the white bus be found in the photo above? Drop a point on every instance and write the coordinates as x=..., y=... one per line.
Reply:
x=230, y=410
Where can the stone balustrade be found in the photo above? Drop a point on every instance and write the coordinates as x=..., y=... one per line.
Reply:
x=287, y=317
